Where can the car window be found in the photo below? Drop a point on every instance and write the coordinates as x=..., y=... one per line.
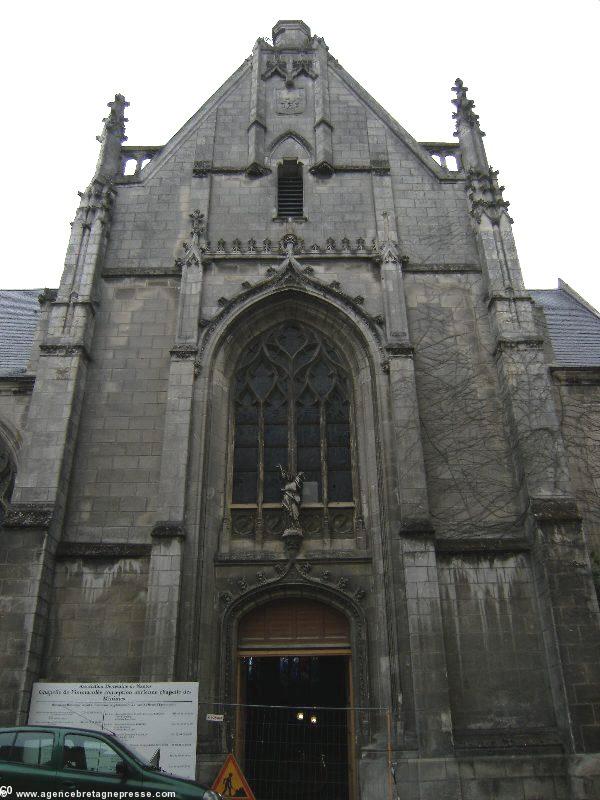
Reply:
x=6, y=740
x=90, y=754
x=33, y=748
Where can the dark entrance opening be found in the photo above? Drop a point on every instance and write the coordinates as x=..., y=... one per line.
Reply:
x=295, y=731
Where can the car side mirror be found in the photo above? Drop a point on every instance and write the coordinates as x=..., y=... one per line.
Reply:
x=122, y=770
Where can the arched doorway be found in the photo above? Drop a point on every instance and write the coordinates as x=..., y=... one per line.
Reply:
x=295, y=729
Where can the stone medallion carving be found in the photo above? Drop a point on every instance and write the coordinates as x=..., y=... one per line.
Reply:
x=290, y=101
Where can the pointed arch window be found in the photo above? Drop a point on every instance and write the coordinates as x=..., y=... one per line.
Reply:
x=292, y=407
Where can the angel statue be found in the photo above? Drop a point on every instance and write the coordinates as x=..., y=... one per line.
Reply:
x=292, y=495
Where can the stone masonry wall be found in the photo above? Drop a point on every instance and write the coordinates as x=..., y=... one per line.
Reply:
x=113, y=491
x=496, y=666
x=579, y=406
x=151, y=218
x=13, y=407
x=97, y=620
x=467, y=457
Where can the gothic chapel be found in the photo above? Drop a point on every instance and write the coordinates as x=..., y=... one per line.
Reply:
x=292, y=427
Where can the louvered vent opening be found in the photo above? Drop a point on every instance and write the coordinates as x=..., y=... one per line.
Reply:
x=290, y=193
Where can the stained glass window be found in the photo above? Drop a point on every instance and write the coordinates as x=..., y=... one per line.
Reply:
x=292, y=407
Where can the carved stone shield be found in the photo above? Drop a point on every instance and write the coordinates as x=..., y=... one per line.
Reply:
x=290, y=101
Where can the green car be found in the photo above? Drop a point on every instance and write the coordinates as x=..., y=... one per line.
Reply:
x=54, y=758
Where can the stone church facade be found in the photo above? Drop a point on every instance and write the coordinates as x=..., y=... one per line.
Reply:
x=294, y=285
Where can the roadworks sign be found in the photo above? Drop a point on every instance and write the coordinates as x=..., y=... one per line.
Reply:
x=230, y=781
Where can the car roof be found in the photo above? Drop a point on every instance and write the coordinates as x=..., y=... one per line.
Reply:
x=55, y=727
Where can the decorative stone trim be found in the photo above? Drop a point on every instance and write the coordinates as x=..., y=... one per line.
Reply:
x=323, y=169
x=422, y=528
x=28, y=515
x=554, y=509
x=586, y=376
x=291, y=570
x=202, y=169
x=142, y=272
x=168, y=530
x=522, y=343
x=291, y=275
x=236, y=248
x=256, y=170
x=314, y=253
x=288, y=580
x=485, y=196
x=289, y=68
x=442, y=268
x=508, y=296
x=184, y=352
x=399, y=349
x=380, y=166
x=483, y=545
x=66, y=350
x=503, y=740
x=464, y=107
x=314, y=556
x=195, y=248
x=103, y=550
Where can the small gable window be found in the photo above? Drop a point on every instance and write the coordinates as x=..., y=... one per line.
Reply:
x=290, y=191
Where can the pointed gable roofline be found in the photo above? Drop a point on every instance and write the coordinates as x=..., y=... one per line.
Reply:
x=413, y=145
x=188, y=127
x=418, y=150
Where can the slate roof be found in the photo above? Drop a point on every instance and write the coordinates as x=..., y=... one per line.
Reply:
x=573, y=326
x=19, y=314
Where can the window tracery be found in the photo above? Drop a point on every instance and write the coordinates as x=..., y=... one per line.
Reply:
x=292, y=407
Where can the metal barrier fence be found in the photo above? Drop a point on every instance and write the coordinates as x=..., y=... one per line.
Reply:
x=304, y=752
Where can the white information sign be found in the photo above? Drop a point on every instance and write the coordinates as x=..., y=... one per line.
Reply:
x=144, y=716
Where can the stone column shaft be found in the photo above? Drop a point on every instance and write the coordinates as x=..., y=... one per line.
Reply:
x=164, y=582
x=323, y=126
x=257, y=117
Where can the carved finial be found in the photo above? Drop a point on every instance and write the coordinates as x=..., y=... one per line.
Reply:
x=388, y=251
x=464, y=107
x=112, y=137
x=198, y=223
x=470, y=136
x=197, y=244
x=486, y=195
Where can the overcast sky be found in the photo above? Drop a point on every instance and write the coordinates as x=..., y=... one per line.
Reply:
x=531, y=66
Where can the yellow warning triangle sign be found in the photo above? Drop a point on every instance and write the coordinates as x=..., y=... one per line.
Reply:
x=230, y=781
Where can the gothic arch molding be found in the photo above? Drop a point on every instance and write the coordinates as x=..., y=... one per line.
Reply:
x=10, y=438
x=9, y=447
x=362, y=329
x=291, y=136
x=357, y=339
x=295, y=587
